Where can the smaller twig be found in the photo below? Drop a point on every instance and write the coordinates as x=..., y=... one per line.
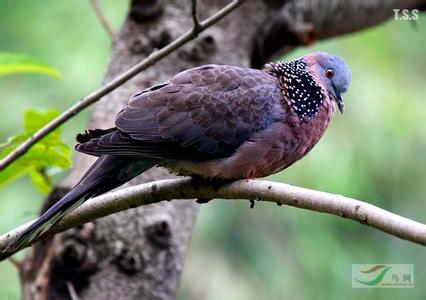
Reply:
x=17, y=263
x=41, y=282
x=71, y=291
x=196, y=27
x=252, y=203
x=102, y=19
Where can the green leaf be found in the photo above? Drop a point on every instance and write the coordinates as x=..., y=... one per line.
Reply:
x=34, y=120
x=41, y=181
x=11, y=63
x=51, y=153
x=14, y=171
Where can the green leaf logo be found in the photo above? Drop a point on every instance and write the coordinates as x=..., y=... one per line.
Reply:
x=375, y=281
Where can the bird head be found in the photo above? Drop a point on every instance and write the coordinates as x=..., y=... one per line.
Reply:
x=332, y=73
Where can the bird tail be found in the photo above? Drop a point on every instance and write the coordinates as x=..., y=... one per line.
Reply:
x=107, y=173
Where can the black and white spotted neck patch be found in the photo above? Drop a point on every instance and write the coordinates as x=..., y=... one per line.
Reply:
x=299, y=87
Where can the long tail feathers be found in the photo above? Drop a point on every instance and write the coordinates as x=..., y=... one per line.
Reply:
x=107, y=173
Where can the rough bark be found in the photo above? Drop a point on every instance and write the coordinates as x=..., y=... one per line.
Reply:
x=139, y=253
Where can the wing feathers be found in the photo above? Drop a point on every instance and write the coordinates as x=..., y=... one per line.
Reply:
x=201, y=113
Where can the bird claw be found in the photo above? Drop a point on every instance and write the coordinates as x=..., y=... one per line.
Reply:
x=203, y=200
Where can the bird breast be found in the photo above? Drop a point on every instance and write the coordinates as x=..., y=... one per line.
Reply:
x=269, y=151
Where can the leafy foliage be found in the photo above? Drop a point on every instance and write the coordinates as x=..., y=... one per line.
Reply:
x=48, y=157
x=51, y=154
x=11, y=63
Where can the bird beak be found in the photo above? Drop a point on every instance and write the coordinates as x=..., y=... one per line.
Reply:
x=340, y=103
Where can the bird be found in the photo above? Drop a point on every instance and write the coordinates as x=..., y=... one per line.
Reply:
x=215, y=122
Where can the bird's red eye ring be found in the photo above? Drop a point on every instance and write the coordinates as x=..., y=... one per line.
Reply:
x=329, y=73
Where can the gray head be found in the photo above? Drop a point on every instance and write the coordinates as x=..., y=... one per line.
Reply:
x=331, y=72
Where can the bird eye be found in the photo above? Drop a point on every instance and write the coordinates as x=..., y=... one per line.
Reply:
x=329, y=73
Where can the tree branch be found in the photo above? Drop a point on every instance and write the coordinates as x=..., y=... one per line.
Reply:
x=295, y=23
x=259, y=190
x=115, y=83
x=196, y=22
x=102, y=19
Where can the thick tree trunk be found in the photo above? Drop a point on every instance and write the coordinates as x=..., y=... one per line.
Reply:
x=139, y=253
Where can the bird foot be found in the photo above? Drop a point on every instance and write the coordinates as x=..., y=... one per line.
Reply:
x=215, y=183
x=203, y=200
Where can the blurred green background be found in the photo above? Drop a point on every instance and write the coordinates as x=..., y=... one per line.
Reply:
x=374, y=152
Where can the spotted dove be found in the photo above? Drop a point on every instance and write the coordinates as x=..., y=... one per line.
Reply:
x=213, y=121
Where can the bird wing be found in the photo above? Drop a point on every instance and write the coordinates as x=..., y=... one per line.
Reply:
x=200, y=114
